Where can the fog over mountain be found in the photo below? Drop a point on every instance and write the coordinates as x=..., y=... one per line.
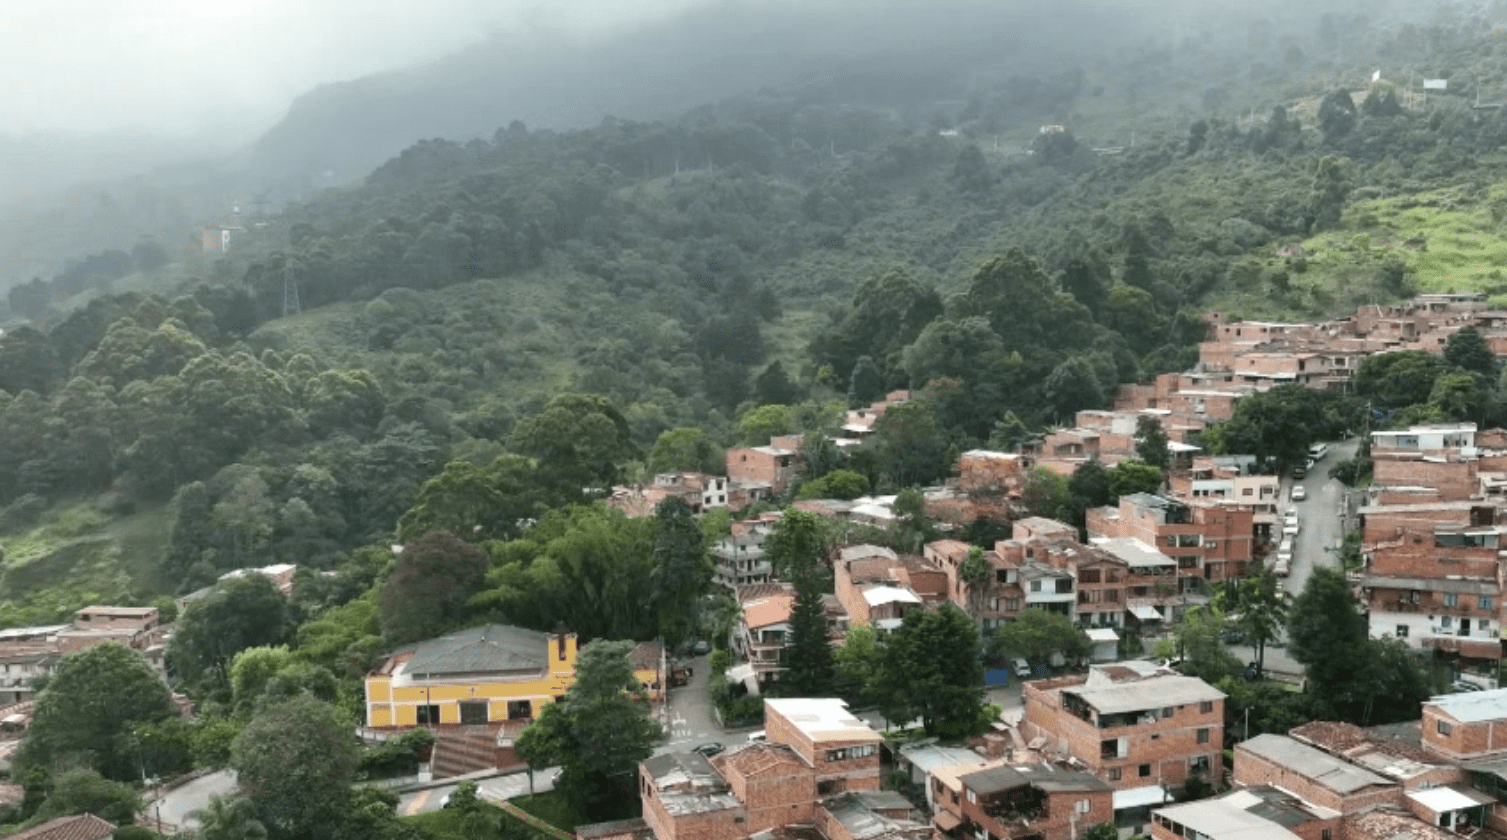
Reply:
x=154, y=118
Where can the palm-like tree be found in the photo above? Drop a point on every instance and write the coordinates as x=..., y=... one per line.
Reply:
x=229, y=818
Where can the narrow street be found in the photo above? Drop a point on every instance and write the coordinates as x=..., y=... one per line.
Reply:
x=1321, y=516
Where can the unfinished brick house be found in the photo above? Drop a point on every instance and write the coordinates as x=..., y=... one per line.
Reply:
x=1252, y=813
x=1038, y=800
x=1141, y=729
x=1312, y=775
x=701, y=492
x=877, y=586
x=818, y=767
x=766, y=469
x=1211, y=540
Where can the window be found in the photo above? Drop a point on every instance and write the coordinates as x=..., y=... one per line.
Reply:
x=1203, y=736
x=1168, y=712
x=1114, y=774
x=1324, y=834
x=972, y=797
x=1199, y=764
x=1451, y=599
x=1144, y=770
x=1001, y=575
x=845, y=753
x=1444, y=727
x=1035, y=586
x=1088, y=576
x=1206, y=706
x=1112, y=595
x=1110, y=748
x=828, y=787
x=1402, y=631
x=473, y=712
x=520, y=709
x=1012, y=604
x=428, y=715
x=1484, y=602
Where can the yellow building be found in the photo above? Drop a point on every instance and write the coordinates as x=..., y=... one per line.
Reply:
x=482, y=675
x=485, y=675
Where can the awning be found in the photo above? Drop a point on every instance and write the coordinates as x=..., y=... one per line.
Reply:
x=1453, y=798
x=1101, y=634
x=1141, y=797
x=1145, y=612
x=946, y=821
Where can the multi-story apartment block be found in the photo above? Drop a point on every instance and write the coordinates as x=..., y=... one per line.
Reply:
x=1140, y=728
x=1211, y=540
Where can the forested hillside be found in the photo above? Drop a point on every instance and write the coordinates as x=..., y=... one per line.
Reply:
x=1000, y=245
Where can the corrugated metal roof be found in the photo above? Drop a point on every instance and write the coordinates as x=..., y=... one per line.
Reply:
x=1473, y=706
x=1153, y=692
x=490, y=649
x=1311, y=763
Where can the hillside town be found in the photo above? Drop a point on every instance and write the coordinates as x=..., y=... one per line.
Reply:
x=1093, y=734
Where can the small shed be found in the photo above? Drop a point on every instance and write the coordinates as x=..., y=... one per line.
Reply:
x=1105, y=645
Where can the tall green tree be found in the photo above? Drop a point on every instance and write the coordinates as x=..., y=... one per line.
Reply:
x=230, y=818
x=682, y=570
x=932, y=671
x=86, y=714
x=295, y=761
x=598, y=734
x=807, y=659
x=1466, y=349
x=1258, y=607
x=430, y=583
x=976, y=571
x=1151, y=445
x=911, y=444
x=857, y=665
x=579, y=441
x=238, y=613
x=1327, y=634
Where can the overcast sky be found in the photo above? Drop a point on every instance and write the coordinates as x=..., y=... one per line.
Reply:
x=178, y=66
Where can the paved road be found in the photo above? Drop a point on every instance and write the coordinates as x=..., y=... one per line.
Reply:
x=493, y=789
x=1322, y=516
x=175, y=805
x=688, y=713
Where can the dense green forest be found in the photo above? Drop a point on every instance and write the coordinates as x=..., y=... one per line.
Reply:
x=788, y=248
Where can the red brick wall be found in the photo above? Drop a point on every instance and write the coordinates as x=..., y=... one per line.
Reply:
x=1058, y=824
x=717, y=825
x=1454, y=480
x=1252, y=770
x=1464, y=739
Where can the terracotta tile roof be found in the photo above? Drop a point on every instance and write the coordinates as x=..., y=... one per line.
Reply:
x=759, y=591
x=766, y=611
x=647, y=656
x=81, y=827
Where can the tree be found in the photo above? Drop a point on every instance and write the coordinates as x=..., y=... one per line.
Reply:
x=238, y=613
x=1198, y=638
x=1046, y=494
x=758, y=425
x=598, y=733
x=797, y=548
x=427, y=593
x=578, y=441
x=1327, y=634
x=478, y=503
x=686, y=449
x=682, y=570
x=1151, y=444
x=1035, y=635
x=1399, y=378
x=82, y=791
x=295, y=761
x=976, y=571
x=85, y=715
x=837, y=484
x=1103, y=831
x=932, y=670
x=230, y=818
x=911, y=444
x=856, y=666
x=807, y=658
x=1129, y=477
x=1468, y=350
x=1278, y=425
x=1259, y=609
x=773, y=386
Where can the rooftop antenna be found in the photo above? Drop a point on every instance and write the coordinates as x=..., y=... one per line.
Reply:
x=290, y=290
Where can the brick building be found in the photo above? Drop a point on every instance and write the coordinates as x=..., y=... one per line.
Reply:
x=877, y=586
x=1040, y=800
x=1472, y=725
x=819, y=767
x=1211, y=540
x=1253, y=813
x=1312, y=775
x=1141, y=729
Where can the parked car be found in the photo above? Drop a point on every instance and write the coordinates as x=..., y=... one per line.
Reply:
x=1299, y=493
x=758, y=735
x=1462, y=685
x=1022, y=667
x=1300, y=471
x=708, y=749
x=701, y=648
x=1316, y=452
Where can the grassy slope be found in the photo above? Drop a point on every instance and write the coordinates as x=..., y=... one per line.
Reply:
x=78, y=555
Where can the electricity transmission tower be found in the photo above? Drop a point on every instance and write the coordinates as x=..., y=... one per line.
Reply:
x=290, y=291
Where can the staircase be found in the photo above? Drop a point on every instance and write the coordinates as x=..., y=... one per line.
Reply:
x=459, y=750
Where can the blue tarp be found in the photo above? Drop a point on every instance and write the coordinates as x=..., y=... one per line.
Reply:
x=996, y=677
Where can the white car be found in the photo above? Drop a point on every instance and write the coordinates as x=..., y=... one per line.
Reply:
x=1299, y=493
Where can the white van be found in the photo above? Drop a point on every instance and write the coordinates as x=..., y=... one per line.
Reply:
x=1317, y=451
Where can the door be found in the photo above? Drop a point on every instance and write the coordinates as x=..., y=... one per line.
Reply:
x=473, y=712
